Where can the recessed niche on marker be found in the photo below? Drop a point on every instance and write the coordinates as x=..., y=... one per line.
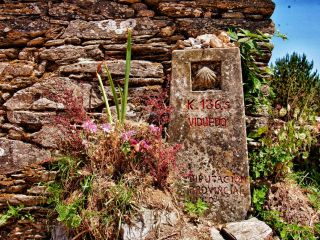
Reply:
x=206, y=75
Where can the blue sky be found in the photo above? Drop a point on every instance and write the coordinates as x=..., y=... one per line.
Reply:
x=300, y=21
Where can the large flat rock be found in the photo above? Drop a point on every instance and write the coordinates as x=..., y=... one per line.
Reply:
x=28, y=98
x=139, y=68
x=106, y=29
x=252, y=229
x=15, y=155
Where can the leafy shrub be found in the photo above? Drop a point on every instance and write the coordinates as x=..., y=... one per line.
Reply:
x=158, y=108
x=259, y=197
x=296, y=85
x=279, y=147
x=288, y=231
x=140, y=147
x=74, y=114
x=256, y=79
x=68, y=214
x=282, y=148
x=12, y=212
x=197, y=208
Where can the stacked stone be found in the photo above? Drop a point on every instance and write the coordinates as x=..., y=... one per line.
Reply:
x=58, y=45
x=21, y=189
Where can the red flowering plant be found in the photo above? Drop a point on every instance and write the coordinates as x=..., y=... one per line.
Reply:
x=137, y=147
x=156, y=105
x=159, y=156
x=67, y=122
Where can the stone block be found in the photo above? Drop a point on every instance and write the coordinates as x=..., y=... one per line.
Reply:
x=252, y=229
x=15, y=155
x=209, y=120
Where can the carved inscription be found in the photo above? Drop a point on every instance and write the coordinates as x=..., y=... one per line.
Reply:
x=210, y=106
x=211, y=187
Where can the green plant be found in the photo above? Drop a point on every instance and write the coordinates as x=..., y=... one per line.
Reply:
x=121, y=113
x=256, y=85
x=12, y=212
x=67, y=166
x=296, y=85
x=68, y=213
x=120, y=198
x=86, y=184
x=197, y=208
x=314, y=197
x=259, y=197
x=17, y=212
x=286, y=230
x=119, y=204
x=65, y=197
x=285, y=148
x=310, y=181
x=274, y=159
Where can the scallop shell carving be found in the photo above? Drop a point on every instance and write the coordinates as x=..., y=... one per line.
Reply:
x=205, y=79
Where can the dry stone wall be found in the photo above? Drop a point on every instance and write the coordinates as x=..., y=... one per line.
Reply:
x=57, y=45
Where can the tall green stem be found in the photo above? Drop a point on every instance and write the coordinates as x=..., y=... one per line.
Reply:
x=124, y=100
x=113, y=89
x=105, y=99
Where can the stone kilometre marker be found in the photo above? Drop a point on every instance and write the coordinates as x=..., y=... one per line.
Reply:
x=209, y=120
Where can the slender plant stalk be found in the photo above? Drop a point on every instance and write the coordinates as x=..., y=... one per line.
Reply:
x=126, y=79
x=113, y=89
x=105, y=99
x=121, y=93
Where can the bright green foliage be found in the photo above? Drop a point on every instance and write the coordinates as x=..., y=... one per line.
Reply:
x=86, y=184
x=283, y=149
x=68, y=214
x=105, y=98
x=258, y=198
x=256, y=89
x=198, y=208
x=124, y=95
x=55, y=190
x=12, y=212
x=310, y=181
x=118, y=205
x=296, y=85
x=274, y=159
x=120, y=198
x=285, y=230
x=67, y=166
x=121, y=113
x=281, y=35
x=314, y=197
x=15, y=212
x=288, y=231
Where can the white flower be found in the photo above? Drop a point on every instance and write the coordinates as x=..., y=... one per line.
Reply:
x=2, y=152
x=130, y=23
x=107, y=25
x=119, y=31
x=112, y=25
